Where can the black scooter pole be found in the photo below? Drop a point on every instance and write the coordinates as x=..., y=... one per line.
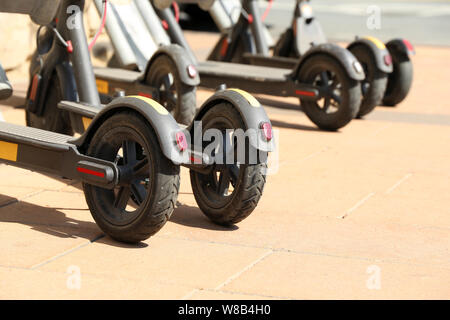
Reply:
x=175, y=32
x=82, y=65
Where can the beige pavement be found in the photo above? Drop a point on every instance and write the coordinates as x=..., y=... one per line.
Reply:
x=357, y=214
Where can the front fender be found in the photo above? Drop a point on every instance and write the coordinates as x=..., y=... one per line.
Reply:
x=158, y=118
x=343, y=56
x=250, y=110
x=181, y=60
x=401, y=49
x=378, y=50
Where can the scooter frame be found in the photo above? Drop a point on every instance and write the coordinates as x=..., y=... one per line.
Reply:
x=284, y=83
x=63, y=155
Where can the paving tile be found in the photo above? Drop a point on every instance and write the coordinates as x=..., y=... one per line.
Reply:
x=304, y=276
x=220, y=295
x=182, y=262
x=26, y=245
x=26, y=284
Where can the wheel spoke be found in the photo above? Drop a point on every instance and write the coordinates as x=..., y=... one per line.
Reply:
x=141, y=169
x=224, y=183
x=336, y=98
x=122, y=197
x=326, y=105
x=171, y=99
x=324, y=78
x=233, y=171
x=139, y=192
x=129, y=152
x=227, y=147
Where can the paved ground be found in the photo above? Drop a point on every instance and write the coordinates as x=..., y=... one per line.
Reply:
x=421, y=21
x=360, y=213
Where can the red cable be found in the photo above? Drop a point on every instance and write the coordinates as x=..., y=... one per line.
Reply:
x=266, y=12
x=176, y=8
x=102, y=25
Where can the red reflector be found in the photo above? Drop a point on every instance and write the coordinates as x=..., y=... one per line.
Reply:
x=34, y=87
x=223, y=50
x=250, y=19
x=165, y=25
x=408, y=45
x=91, y=172
x=69, y=46
x=305, y=93
x=267, y=130
x=196, y=160
x=181, y=141
x=388, y=59
x=143, y=94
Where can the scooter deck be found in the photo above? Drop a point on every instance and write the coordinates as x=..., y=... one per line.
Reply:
x=110, y=81
x=116, y=74
x=53, y=153
x=243, y=71
x=33, y=136
x=255, y=79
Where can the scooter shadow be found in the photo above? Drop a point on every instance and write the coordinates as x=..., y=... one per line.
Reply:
x=54, y=222
x=287, y=106
x=193, y=217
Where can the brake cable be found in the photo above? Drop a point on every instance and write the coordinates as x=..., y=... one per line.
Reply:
x=102, y=24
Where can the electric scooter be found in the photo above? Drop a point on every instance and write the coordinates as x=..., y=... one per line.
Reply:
x=388, y=67
x=250, y=46
x=326, y=79
x=170, y=77
x=129, y=152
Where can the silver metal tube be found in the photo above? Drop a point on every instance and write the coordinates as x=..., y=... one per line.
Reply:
x=152, y=22
x=122, y=48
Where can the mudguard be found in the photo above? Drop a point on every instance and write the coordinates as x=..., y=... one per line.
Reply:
x=66, y=78
x=378, y=50
x=345, y=57
x=181, y=59
x=157, y=117
x=401, y=49
x=250, y=110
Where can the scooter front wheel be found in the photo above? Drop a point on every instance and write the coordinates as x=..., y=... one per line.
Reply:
x=399, y=82
x=229, y=192
x=146, y=194
x=374, y=84
x=178, y=98
x=341, y=94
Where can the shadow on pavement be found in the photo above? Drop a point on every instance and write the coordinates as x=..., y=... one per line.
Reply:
x=56, y=223
x=193, y=217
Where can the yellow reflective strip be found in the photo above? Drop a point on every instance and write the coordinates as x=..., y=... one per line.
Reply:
x=251, y=99
x=378, y=43
x=86, y=122
x=159, y=108
x=102, y=86
x=8, y=151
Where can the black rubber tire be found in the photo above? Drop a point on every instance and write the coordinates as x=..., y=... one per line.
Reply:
x=53, y=118
x=186, y=100
x=248, y=188
x=399, y=81
x=375, y=79
x=350, y=88
x=161, y=191
x=284, y=45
